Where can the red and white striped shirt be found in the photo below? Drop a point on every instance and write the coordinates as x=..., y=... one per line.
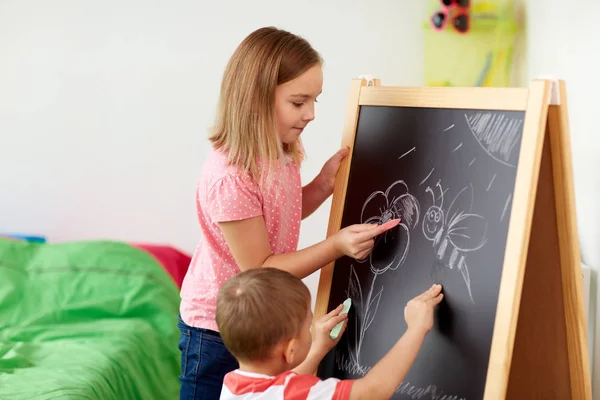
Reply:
x=239, y=385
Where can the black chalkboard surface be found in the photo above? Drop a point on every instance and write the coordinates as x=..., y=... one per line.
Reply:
x=482, y=179
x=449, y=174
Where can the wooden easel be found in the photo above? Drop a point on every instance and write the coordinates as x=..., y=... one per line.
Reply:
x=539, y=344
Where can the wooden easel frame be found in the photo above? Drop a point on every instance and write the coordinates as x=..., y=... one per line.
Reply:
x=539, y=342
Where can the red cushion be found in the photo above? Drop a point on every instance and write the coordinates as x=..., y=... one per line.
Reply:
x=174, y=261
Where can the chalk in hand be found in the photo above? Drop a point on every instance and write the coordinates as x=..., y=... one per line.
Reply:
x=336, y=329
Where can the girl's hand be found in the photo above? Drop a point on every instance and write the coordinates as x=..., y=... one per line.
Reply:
x=330, y=169
x=357, y=241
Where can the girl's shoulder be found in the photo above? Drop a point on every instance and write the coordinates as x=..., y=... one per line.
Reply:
x=216, y=164
x=216, y=169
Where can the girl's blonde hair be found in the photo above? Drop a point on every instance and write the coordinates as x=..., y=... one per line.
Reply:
x=245, y=126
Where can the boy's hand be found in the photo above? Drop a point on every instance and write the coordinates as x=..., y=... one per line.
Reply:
x=322, y=342
x=418, y=313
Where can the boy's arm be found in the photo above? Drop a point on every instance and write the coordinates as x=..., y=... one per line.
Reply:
x=385, y=376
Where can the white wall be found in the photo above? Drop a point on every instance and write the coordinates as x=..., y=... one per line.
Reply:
x=105, y=106
x=563, y=39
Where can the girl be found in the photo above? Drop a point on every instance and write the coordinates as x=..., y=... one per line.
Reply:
x=249, y=198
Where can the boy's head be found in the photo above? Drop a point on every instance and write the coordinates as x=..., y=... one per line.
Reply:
x=264, y=314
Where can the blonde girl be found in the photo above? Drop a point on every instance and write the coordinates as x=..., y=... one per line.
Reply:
x=250, y=200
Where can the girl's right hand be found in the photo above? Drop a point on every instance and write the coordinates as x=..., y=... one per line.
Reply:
x=357, y=241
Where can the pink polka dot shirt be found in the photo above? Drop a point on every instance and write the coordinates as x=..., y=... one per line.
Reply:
x=225, y=193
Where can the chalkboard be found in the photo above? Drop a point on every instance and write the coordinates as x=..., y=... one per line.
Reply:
x=449, y=174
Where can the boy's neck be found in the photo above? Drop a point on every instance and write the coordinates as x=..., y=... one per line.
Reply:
x=269, y=367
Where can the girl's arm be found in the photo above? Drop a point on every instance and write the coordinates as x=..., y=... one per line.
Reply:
x=249, y=244
x=316, y=192
x=313, y=195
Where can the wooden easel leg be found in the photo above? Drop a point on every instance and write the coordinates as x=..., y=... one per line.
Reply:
x=339, y=194
x=550, y=353
x=558, y=130
x=539, y=368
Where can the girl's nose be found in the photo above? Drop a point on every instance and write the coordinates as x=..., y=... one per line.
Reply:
x=309, y=113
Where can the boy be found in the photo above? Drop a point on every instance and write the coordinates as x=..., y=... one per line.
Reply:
x=264, y=317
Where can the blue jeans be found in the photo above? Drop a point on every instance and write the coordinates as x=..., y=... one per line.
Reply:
x=204, y=362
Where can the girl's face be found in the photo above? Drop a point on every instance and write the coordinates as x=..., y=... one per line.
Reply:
x=295, y=103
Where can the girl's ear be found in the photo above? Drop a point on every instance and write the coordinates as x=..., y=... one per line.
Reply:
x=289, y=351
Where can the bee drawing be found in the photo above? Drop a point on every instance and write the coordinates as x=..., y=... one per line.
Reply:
x=455, y=231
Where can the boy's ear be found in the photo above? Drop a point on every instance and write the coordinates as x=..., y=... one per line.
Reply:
x=289, y=351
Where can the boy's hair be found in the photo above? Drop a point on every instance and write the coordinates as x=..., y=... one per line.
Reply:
x=245, y=125
x=259, y=308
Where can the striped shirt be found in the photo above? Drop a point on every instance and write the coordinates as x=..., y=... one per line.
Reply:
x=239, y=385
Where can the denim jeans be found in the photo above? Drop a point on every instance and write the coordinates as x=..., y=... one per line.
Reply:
x=204, y=362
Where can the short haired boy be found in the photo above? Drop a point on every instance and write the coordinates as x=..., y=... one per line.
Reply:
x=264, y=317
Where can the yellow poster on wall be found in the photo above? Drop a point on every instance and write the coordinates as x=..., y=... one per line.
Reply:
x=472, y=43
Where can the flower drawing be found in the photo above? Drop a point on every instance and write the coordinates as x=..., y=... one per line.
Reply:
x=389, y=253
x=381, y=207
